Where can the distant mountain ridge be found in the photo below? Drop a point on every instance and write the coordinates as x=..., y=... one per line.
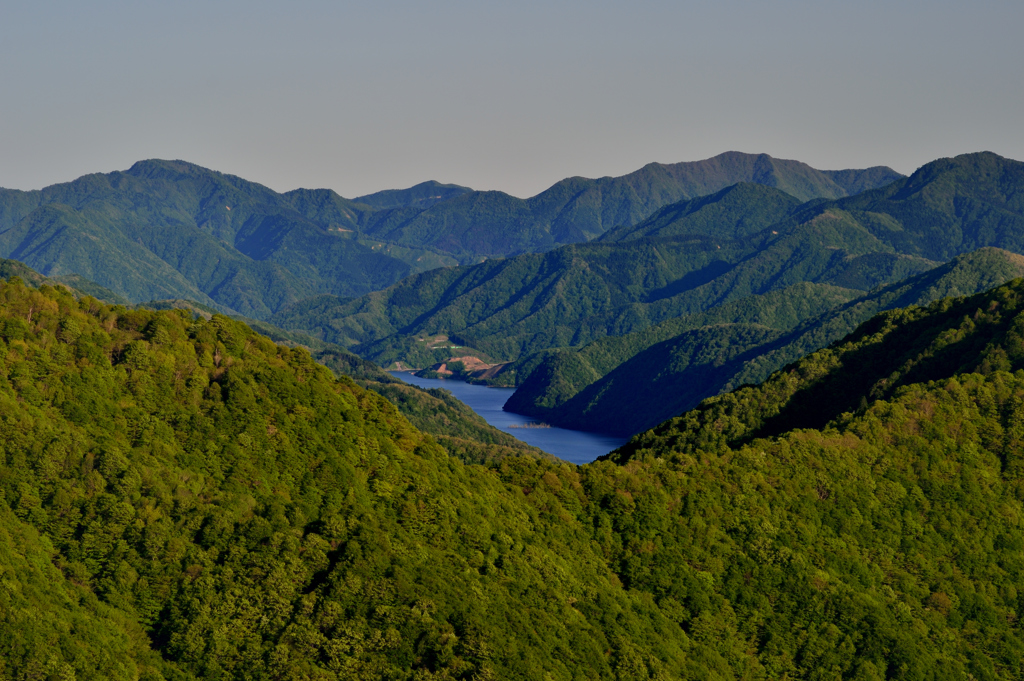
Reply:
x=645, y=377
x=168, y=229
x=487, y=224
x=174, y=230
x=688, y=258
x=422, y=195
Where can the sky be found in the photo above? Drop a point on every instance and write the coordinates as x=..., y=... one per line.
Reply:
x=361, y=96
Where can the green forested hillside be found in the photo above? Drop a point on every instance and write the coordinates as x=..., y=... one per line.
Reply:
x=258, y=518
x=183, y=499
x=895, y=456
x=703, y=254
x=630, y=383
x=479, y=224
x=53, y=627
x=578, y=293
x=454, y=425
x=737, y=211
x=168, y=229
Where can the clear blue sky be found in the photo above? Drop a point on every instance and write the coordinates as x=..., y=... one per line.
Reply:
x=499, y=95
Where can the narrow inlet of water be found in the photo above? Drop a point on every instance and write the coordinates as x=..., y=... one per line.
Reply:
x=575, y=446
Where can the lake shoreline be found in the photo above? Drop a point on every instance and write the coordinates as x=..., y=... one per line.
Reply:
x=574, y=446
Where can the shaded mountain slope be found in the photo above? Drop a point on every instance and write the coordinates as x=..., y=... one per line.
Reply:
x=737, y=211
x=562, y=373
x=637, y=381
x=964, y=275
x=880, y=361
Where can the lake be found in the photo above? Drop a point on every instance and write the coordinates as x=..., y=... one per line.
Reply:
x=576, y=446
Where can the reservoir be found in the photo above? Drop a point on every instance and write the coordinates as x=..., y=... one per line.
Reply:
x=576, y=446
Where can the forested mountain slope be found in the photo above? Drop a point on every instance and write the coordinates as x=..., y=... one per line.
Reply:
x=881, y=479
x=737, y=211
x=630, y=383
x=183, y=499
x=477, y=224
x=258, y=518
x=575, y=294
x=168, y=229
x=578, y=293
x=906, y=352
x=459, y=429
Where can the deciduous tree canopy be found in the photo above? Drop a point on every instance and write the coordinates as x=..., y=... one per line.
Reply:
x=182, y=498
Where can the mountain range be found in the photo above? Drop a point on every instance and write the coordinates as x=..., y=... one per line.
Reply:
x=173, y=230
x=628, y=384
x=828, y=481
x=703, y=253
x=743, y=278
x=473, y=225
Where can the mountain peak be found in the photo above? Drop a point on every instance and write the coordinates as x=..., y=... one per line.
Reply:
x=422, y=195
x=172, y=169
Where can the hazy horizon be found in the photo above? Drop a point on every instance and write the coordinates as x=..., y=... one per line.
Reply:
x=360, y=98
x=351, y=196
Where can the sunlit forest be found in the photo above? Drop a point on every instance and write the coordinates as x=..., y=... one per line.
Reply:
x=184, y=498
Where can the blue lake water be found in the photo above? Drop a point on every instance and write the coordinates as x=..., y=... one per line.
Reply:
x=571, y=445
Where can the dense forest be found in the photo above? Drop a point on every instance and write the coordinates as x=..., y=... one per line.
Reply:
x=181, y=498
x=188, y=486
